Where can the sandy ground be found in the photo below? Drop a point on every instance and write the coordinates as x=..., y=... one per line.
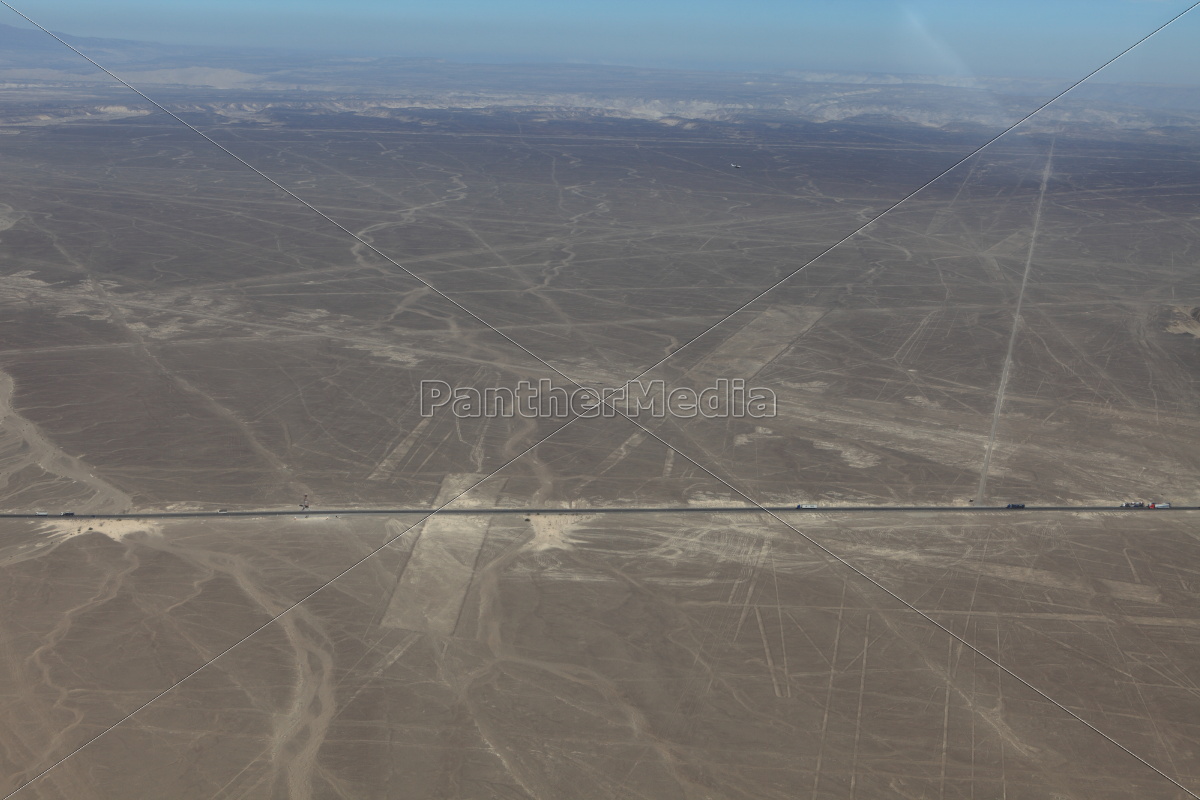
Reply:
x=224, y=352
x=602, y=657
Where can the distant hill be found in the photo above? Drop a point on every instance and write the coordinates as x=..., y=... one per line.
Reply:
x=385, y=87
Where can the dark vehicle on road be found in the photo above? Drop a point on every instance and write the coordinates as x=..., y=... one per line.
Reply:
x=1015, y=505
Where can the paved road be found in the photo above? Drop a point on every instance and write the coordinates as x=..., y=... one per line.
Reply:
x=312, y=512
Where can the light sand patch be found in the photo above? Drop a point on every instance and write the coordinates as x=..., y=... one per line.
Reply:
x=757, y=344
x=430, y=591
x=304, y=316
x=218, y=78
x=388, y=465
x=759, y=433
x=391, y=354
x=1184, y=320
x=1045, y=579
x=553, y=532
x=163, y=330
x=478, y=493
x=115, y=529
x=853, y=456
x=807, y=386
x=23, y=280
x=706, y=500
x=186, y=507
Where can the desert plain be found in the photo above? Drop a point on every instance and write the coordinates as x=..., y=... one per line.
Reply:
x=177, y=334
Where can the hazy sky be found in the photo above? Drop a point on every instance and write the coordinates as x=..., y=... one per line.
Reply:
x=1060, y=38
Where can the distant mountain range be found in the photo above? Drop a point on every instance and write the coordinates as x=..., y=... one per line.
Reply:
x=34, y=67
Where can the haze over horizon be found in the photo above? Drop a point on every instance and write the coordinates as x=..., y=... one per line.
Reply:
x=1021, y=38
x=246, y=552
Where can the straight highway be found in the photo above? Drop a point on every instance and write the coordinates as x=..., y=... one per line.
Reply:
x=337, y=512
